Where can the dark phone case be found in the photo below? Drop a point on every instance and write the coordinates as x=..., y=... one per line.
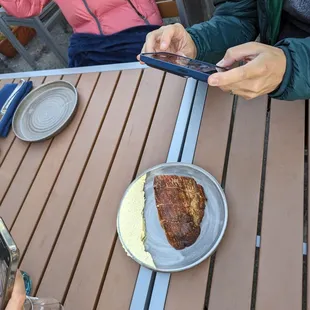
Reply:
x=177, y=69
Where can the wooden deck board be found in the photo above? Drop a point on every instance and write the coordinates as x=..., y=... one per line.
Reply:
x=154, y=154
x=280, y=261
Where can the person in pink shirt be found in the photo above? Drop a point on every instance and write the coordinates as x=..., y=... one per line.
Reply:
x=100, y=18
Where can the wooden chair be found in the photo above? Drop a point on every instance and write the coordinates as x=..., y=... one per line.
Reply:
x=190, y=11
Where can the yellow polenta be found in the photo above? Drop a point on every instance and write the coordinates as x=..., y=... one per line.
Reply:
x=132, y=223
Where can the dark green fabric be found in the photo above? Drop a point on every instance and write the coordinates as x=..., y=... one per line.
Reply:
x=296, y=82
x=239, y=21
x=274, y=16
x=233, y=23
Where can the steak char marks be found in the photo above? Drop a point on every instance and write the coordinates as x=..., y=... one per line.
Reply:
x=180, y=203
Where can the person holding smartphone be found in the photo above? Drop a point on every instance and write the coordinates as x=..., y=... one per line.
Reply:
x=18, y=296
x=278, y=65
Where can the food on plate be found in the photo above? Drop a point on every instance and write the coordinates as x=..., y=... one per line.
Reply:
x=132, y=222
x=180, y=203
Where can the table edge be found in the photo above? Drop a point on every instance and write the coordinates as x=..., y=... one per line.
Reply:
x=78, y=70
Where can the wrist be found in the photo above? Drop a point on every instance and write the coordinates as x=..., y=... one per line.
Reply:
x=280, y=91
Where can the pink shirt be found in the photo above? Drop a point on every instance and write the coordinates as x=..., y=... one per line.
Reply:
x=112, y=15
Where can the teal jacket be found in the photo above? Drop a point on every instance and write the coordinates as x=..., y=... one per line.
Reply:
x=239, y=21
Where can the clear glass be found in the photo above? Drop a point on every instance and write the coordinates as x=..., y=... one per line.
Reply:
x=34, y=303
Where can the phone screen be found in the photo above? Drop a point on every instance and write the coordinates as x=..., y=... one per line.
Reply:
x=184, y=62
x=4, y=269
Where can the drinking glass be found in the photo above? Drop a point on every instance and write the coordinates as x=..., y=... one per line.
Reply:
x=34, y=303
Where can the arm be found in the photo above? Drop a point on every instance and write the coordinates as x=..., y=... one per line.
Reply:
x=296, y=81
x=233, y=23
x=23, y=8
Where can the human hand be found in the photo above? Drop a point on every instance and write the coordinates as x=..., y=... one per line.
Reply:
x=18, y=295
x=173, y=39
x=263, y=72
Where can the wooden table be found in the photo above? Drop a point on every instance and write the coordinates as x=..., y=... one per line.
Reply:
x=60, y=197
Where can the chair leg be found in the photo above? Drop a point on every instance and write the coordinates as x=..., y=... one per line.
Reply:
x=48, y=39
x=5, y=29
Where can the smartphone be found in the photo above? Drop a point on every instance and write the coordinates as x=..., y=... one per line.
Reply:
x=179, y=65
x=9, y=259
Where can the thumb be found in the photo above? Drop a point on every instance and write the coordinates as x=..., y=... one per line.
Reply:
x=240, y=52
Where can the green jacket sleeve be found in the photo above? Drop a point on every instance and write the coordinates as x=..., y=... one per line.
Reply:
x=296, y=81
x=234, y=22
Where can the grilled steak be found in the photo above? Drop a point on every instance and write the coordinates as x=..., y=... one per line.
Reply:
x=180, y=203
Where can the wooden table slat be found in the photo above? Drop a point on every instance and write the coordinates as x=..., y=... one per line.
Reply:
x=154, y=154
x=280, y=264
x=210, y=155
x=84, y=287
x=234, y=264
x=41, y=187
x=94, y=178
x=25, y=175
x=15, y=155
x=67, y=181
x=11, y=165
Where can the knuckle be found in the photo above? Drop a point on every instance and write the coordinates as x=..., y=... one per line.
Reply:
x=256, y=87
x=264, y=68
x=229, y=52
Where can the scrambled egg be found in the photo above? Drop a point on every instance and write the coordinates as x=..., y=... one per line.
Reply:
x=132, y=223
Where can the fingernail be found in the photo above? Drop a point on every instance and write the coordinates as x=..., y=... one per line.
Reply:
x=220, y=63
x=213, y=81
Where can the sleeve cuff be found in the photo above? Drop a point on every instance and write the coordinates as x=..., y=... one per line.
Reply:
x=279, y=93
x=196, y=41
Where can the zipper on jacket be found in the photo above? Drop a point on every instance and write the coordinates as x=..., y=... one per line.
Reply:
x=138, y=13
x=94, y=16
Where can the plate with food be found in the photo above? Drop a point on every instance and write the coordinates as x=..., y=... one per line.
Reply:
x=172, y=217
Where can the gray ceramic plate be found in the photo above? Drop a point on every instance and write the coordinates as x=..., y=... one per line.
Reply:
x=45, y=111
x=213, y=225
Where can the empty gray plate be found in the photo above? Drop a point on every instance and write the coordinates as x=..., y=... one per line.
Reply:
x=213, y=226
x=45, y=111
